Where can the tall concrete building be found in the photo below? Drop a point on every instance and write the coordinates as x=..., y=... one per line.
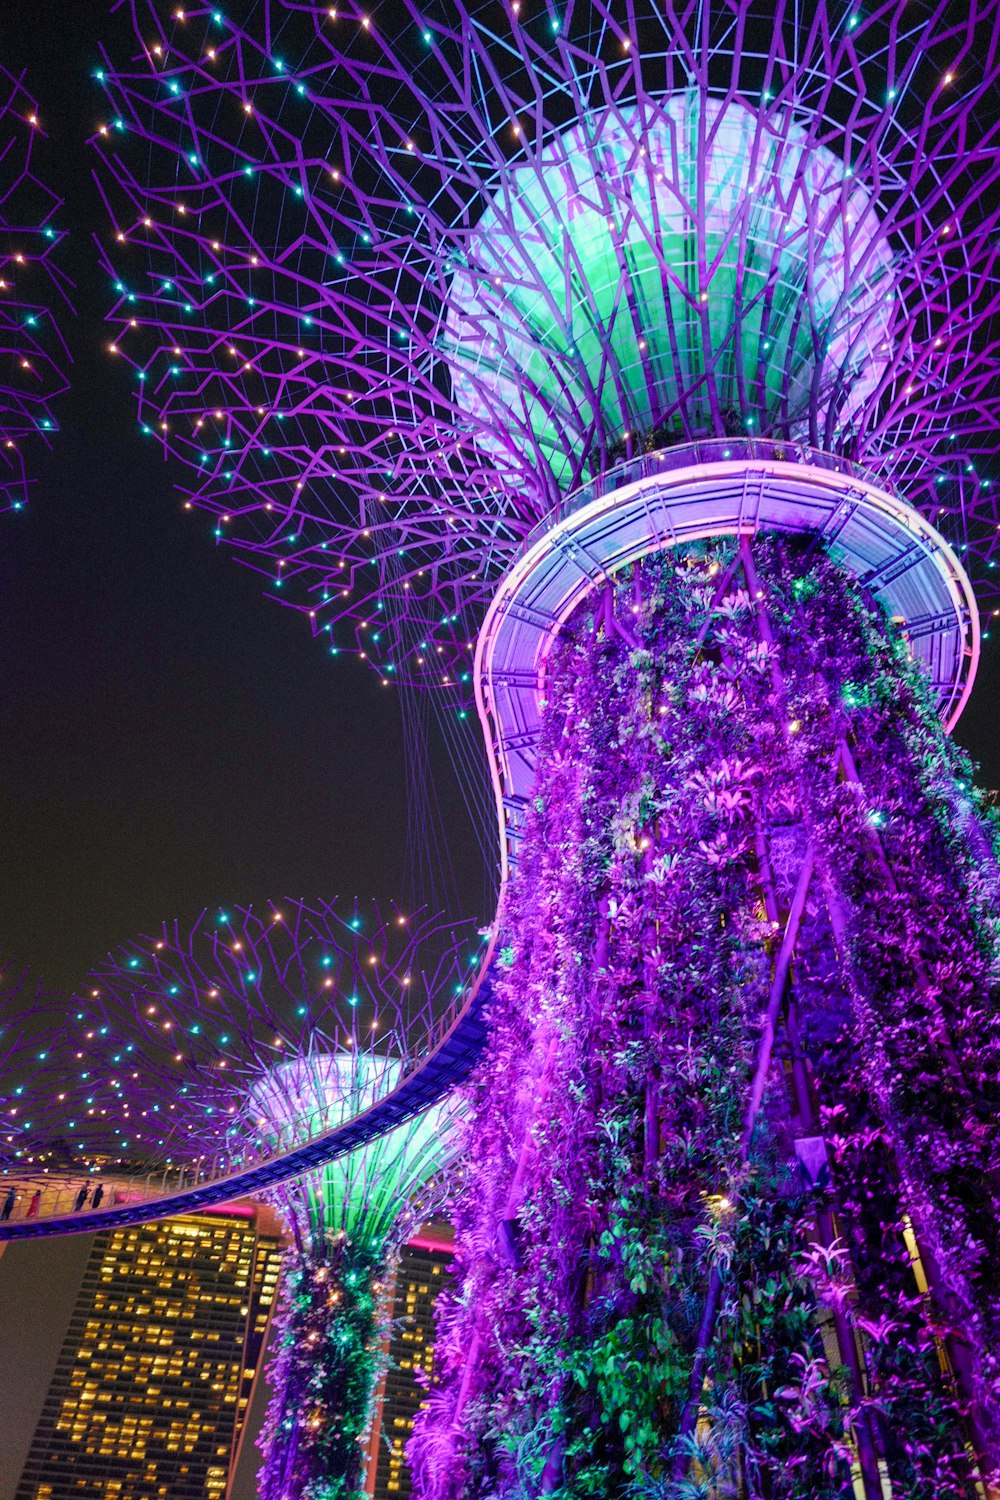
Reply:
x=131, y=1356
x=420, y=1275
x=153, y=1381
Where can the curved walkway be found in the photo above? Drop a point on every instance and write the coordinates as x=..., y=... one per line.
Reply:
x=699, y=490
x=447, y=1064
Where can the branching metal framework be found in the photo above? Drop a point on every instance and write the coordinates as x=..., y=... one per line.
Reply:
x=32, y=1041
x=34, y=292
x=434, y=302
x=150, y=1071
x=252, y=1034
x=392, y=282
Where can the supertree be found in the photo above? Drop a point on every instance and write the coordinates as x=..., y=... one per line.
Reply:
x=34, y=292
x=255, y=1031
x=650, y=353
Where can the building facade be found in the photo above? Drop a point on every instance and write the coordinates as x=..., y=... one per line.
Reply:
x=156, y=1371
x=420, y=1275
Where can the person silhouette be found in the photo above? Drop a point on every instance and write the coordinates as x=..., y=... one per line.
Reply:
x=34, y=1205
x=81, y=1198
x=8, y=1205
x=98, y=1195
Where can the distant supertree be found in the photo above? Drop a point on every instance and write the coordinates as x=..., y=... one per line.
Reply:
x=347, y=1220
x=263, y=1031
x=34, y=292
x=650, y=352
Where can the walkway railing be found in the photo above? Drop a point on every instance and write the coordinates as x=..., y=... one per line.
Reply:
x=701, y=451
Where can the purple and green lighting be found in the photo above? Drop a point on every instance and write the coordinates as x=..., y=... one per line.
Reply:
x=253, y=1034
x=632, y=372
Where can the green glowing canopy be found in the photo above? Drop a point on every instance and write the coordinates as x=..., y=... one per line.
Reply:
x=362, y=1192
x=669, y=271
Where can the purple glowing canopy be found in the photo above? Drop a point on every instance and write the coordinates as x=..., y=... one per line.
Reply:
x=34, y=291
x=393, y=282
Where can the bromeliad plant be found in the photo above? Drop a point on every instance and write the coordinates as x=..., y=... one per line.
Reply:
x=732, y=1222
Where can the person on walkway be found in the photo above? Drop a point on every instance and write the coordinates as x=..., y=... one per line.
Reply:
x=34, y=1205
x=8, y=1205
x=81, y=1198
x=98, y=1195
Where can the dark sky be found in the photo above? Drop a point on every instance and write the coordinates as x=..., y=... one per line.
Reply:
x=169, y=738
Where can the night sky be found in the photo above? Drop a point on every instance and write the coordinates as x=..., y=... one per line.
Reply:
x=170, y=739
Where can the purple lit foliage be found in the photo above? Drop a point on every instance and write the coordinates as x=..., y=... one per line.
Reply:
x=390, y=297
x=734, y=1148
x=34, y=292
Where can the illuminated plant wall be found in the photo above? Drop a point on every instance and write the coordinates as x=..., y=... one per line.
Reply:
x=743, y=1063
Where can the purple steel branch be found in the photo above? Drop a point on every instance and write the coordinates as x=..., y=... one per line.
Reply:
x=328, y=334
